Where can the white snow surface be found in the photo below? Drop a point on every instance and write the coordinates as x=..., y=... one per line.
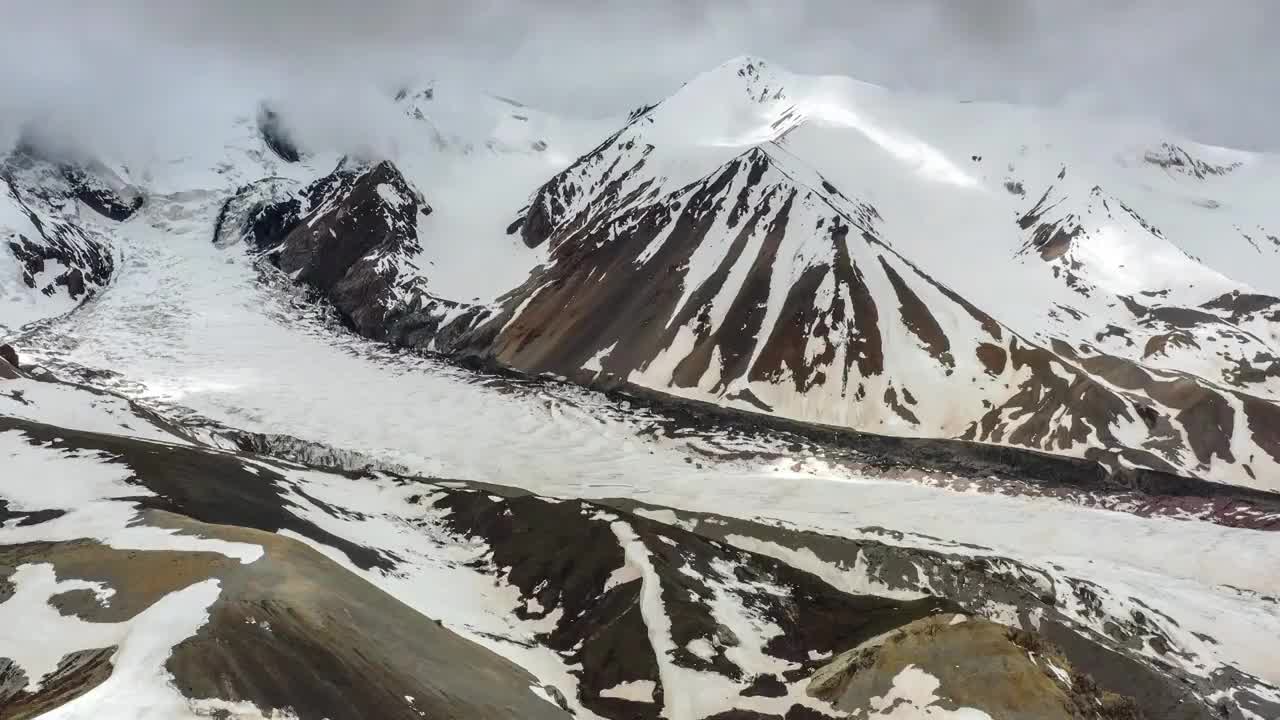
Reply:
x=139, y=686
x=86, y=485
x=633, y=690
x=912, y=697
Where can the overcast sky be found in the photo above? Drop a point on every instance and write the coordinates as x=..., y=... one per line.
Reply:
x=122, y=68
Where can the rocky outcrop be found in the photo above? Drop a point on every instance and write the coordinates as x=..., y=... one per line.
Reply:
x=954, y=662
x=276, y=136
x=9, y=363
x=93, y=185
x=351, y=237
x=57, y=253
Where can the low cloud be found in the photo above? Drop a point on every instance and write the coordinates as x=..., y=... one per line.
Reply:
x=143, y=76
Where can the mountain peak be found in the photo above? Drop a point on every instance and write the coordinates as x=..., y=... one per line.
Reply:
x=762, y=80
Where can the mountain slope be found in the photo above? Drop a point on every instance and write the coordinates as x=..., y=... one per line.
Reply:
x=704, y=250
x=761, y=284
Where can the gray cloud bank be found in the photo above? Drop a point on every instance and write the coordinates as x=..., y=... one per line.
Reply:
x=137, y=73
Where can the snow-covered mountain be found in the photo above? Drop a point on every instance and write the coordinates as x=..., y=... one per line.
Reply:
x=748, y=359
x=830, y=252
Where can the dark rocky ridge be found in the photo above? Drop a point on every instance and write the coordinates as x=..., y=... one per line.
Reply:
x=276, y=136
x=345, y=236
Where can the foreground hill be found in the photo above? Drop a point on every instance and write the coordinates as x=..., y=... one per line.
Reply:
x=145, y=571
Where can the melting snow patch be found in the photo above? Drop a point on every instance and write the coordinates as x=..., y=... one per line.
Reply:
x=621, y=576
x=1059, y=673
x=702, y=647
x=29, y=607
x=139, y=685
x=666, y=517
x=912, y=698
x=389, y=194
x=86, y=484
x=633, y=690
x=237, y=710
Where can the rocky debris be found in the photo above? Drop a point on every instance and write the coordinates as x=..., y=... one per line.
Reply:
x=276, y=136
x=9, y=363
x=954, y=662
x=104, y=193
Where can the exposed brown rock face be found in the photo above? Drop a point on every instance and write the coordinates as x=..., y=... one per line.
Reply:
x=10, y=355
x=1264, y=423
x=918, y=319
x=77, y=673
x=1051, y=239
x=954, y=661
x=1242, y=306
x=653, y=302
x=993, y=357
